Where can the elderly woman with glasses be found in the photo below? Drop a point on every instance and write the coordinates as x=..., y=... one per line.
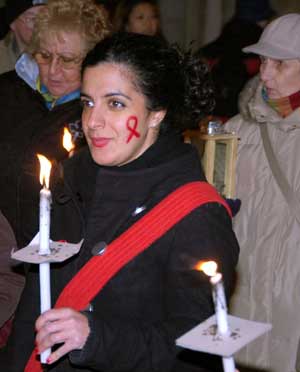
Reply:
x=268, y=183
x=39, y=99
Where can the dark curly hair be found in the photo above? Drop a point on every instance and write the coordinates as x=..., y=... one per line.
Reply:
x=169, y=79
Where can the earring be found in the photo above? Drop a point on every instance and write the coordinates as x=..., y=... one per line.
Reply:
x=153, y=125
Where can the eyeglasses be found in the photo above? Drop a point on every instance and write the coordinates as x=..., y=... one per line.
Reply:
x=68, y=63
x=28, y=20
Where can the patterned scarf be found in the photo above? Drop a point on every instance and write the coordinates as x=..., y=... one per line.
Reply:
x=52, y=101
x=283, y=106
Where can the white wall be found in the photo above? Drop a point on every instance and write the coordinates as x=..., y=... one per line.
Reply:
x=201, y=20
x=197, y=20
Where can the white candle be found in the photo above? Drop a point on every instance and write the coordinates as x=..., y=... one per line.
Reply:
x=220, y=304
x=221, y=316
x=45, y=201
x=210, y=269
x=44, y=249
x=45, y=298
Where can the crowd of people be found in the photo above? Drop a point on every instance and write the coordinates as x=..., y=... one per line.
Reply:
x=137, y=195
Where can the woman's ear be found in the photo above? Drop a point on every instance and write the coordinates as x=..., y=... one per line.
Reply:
x=156, y=118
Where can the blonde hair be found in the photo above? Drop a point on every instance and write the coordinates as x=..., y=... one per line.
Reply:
x=85, y=17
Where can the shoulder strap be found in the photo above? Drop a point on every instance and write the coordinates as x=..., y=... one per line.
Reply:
x=280, y=178
x=87, y=282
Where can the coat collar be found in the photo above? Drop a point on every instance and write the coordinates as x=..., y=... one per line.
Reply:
x=114, y=198
x=84, y=177
x=261, y=112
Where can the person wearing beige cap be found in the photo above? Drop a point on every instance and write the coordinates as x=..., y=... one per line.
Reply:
x=268, y=183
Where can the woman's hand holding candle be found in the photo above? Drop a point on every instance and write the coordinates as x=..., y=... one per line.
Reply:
x=61, y=326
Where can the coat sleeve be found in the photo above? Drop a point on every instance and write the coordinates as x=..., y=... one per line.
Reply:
x=14, y=355
x=11, y=281
x=141, y=345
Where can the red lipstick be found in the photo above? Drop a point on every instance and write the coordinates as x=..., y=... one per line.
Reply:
x=100, y=141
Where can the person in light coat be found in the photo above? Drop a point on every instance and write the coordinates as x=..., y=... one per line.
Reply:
x=268, y=226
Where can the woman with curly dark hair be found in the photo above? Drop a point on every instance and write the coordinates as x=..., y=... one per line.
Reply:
x=134, y=196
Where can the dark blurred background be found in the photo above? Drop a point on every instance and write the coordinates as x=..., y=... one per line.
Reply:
x=199, y=20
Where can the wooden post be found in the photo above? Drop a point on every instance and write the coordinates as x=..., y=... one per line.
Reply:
x=209, y=154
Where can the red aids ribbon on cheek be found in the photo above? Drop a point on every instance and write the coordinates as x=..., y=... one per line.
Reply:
x=131, y=125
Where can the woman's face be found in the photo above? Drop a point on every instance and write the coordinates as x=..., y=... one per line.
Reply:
x=59, y=60
x=280, y=78
x=143, y=19
x=23, y=25
x=117, y=125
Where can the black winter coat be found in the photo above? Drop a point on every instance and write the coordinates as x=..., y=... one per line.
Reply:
x=27, y=128
x=158, y=295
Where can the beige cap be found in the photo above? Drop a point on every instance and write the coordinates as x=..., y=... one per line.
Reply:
x=280, y=39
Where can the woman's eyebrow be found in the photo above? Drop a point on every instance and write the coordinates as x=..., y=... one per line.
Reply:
x=82, y=94
x=112, y=94
x=117, y=94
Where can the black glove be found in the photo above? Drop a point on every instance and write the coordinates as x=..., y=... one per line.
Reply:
x=234, y=205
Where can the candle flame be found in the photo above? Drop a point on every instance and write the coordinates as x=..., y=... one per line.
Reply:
x=67, y=140
x=208, y=267
x=45, y=165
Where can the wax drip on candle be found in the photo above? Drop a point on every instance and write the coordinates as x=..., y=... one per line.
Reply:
x=45, y=202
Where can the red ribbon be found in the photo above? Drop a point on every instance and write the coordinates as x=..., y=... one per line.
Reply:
x=132, y=130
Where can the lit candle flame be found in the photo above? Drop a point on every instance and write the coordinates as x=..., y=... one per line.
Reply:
x=208, y=267
x=67, y=140
x=45, y=165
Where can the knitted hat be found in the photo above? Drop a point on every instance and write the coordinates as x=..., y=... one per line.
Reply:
x=4, y=27
x=253, y=10
x=14, y=8
x=280, y=39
